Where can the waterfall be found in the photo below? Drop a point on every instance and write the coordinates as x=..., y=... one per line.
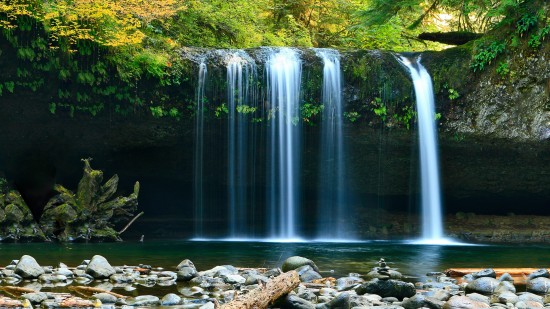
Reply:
x=284, y=70
x=432, y=220
x=199, y=150
x=332, y=208
x=241, y=75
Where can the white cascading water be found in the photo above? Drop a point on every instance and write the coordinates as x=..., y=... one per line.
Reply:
x=432, y=220
x=240, y=78
x=284, y=70
x=332, y=209
x=199, y=150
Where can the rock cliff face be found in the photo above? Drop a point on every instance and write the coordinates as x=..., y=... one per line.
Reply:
x=495, y=158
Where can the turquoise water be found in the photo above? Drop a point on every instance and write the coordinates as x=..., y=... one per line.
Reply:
x=333, y=259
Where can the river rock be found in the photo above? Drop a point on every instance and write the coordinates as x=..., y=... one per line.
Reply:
x=65, y=272
x=543, y=272
x=35, y=298
x=419, y=301
x=105, y=298
x=170, y=300
x=392, y=274
x=528, y=304
x=483, y=285
x=255, y=279
x=463, y=302
x=99, y=268
x=488, y=272
x=307, y=273
x=468, y=278
x=295, y=262
x=295, y=302
x=28, y=268
x=506, y=277
x=122, y=278
x=233, y=279
x=387, y=288
x=505, y=286
x=539, y=285
x=144, y=300
x=504, y=298
x=526, y=296
x=346, y=283
x=340, y=301
x=479, y=298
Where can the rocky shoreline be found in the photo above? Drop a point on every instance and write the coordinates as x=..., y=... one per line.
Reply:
x=96, y=284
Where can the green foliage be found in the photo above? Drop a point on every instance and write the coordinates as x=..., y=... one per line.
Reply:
x=453, y=94
x=408, y=113
x=525, y=23
x=503, y=69
x=437, y=116
x=486, y=55
x=52, y=108
x=536, y=39
x=379, y=108
x=245, y=109
x=221, y=109
x=10, y=86
x=310, y=111
x=352, y=116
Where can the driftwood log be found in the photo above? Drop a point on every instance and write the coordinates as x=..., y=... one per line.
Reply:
x=450, y=38
x=88, y=290
x=263, y=296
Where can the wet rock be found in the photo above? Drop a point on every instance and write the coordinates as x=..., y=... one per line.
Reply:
x=99, y=268
x=479, y=298
x=504, y=298
x=65, y=272
x=306, y=294
x=387, y=288
x=308, y=274
x=441, y=295
x=483, y=285
x=295, y=262
x=144, y=300
x=528, y=304
x=539, y=285
x=49, y=278
x=28, y=268
x=506, y=277
x=213, y=272
x=274, y=272
x=346, y=283
x=255, y=279
x=233, y=279
x=391, y=273
x=420, y=301
x=488, y=272
x=209, y=305
x=468, y=278
x=463, y=302
x=295, y=302
x=35, y=298
x=526, y=296
x=122, y=278
x=105, y=298
x=340, y=301
x=505, y=286
x=390, y=299
x=170, y=300
x=538, y=273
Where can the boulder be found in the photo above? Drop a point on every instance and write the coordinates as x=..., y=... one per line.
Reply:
x=392, y=274
x=526, y=296
x=105, y=298
x=99, y=268
x=528, y=304
x=144, y=300
x=543, y=272
x=35, y=298
x=479, y=298
x=295, y=302
x=186, y=270
x=170, y=300
x=463, y=302
x=28, y=268
x=505, y=286
x=295, y=262
x=539, y=285
x=483, y=285
x=488, y=272
x=506, y=277
x=504, y=298
x=308, y=274
x=420, y=301
x=387, y=288
x=340, y=301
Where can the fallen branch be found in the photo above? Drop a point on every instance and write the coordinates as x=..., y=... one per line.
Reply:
x=87, y=290
x=15, y=290
x=130, y=223
x=262, y=297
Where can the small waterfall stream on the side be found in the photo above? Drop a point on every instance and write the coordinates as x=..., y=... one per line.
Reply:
x=332, y=206
x=432, y=218
x=284, y=70
x=199, y=150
